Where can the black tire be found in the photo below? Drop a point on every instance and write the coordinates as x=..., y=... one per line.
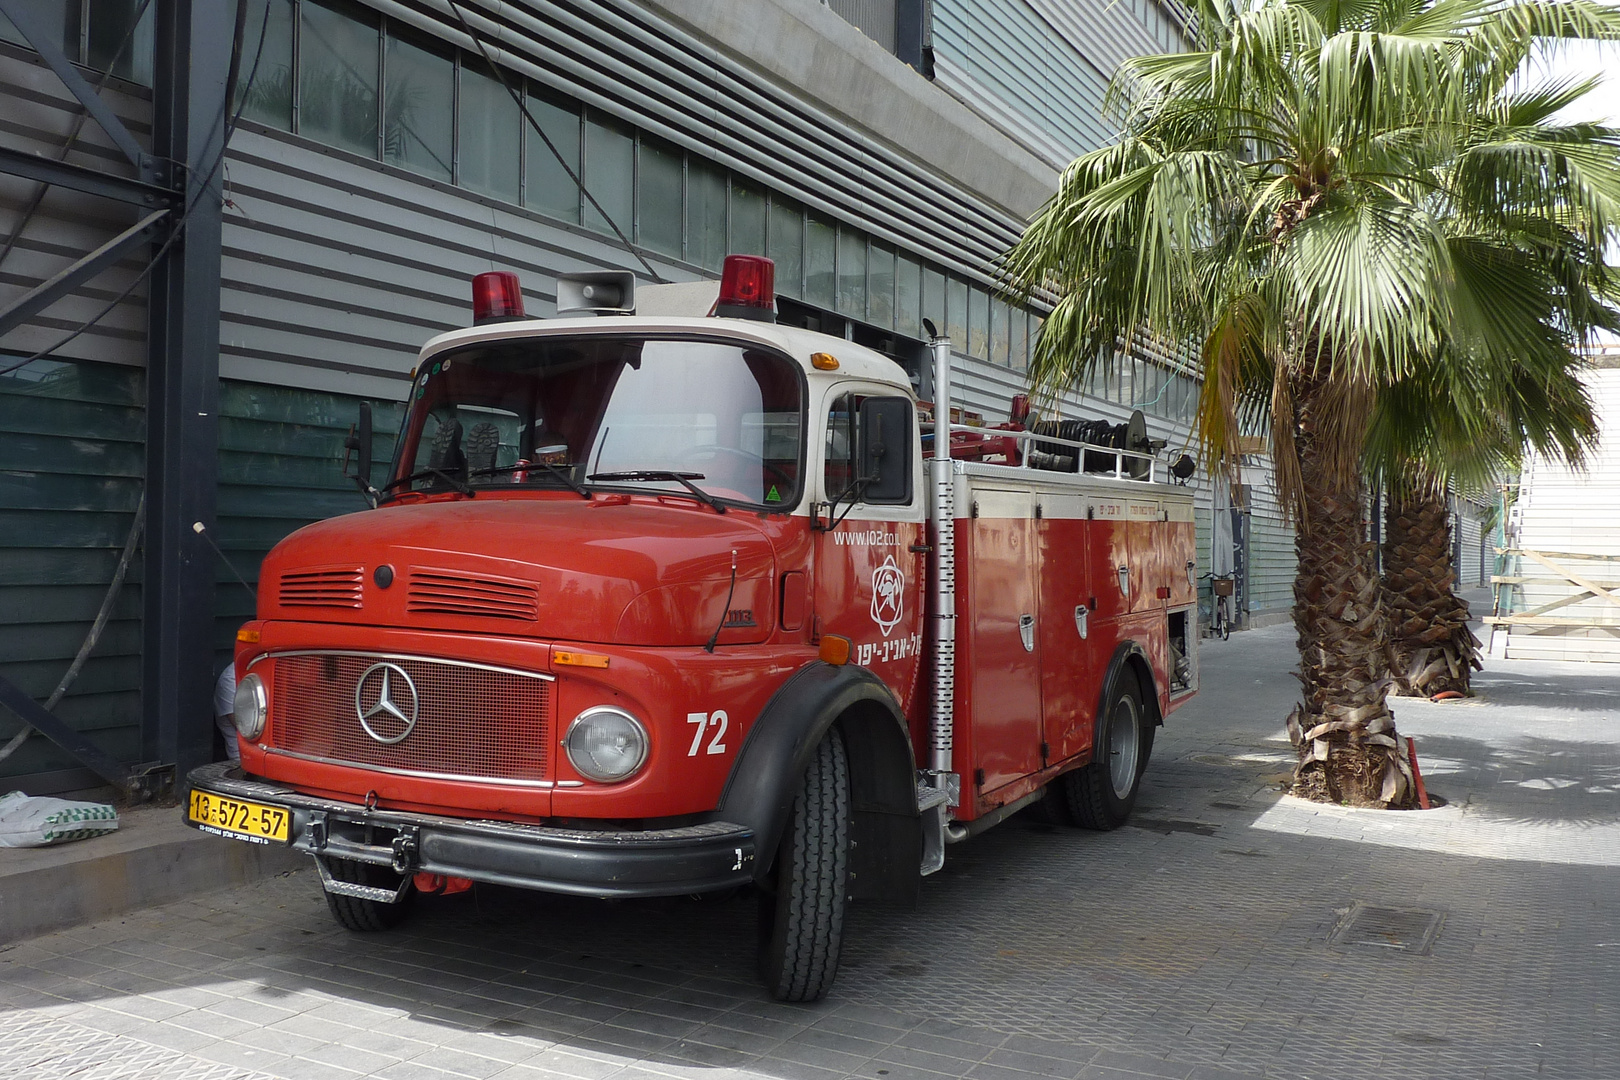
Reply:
x=1052, y=808
x=1102, y=793
x=366, y=916
x=802, y=925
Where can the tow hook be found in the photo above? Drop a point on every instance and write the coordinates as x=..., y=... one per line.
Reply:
x=405, y=850
x=317, y=830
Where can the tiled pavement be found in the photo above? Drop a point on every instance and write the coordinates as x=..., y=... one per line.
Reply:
x=1193, y=944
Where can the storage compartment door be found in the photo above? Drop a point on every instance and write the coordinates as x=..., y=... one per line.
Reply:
x=998, y=615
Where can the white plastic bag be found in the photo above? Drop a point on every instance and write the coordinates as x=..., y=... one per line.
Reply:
x=34, y=821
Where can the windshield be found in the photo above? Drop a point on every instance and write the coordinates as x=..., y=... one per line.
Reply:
x=551, y=412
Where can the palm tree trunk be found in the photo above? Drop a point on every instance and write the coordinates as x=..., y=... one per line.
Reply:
x=1348, y=747
x=1432, y=651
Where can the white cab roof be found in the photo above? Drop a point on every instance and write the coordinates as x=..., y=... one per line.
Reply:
x=854, y=361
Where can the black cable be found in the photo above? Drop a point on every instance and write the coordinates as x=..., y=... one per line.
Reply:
x=533, y=123
x=73, y=136
x=179, y=225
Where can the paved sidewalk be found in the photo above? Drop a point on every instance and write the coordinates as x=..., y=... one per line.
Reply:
x=1194, y=944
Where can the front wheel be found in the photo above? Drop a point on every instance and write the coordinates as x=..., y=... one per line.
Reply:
x=802, y=926
x=1101, y=795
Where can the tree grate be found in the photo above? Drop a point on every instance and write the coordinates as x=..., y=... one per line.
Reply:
x=1408, y=930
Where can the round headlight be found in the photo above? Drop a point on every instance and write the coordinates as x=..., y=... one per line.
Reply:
x=606, y=744
x=252, y=706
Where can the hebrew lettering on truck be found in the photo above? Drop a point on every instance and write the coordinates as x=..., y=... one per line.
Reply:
x=657, y=605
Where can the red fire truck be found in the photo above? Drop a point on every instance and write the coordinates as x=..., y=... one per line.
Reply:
x=661, y=605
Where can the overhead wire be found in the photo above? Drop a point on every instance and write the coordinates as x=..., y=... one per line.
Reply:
x=137, y=526
x=44, y=186
x=178, y=226
x=523, y=107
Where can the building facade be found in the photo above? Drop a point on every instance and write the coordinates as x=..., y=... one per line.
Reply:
x=882, y=152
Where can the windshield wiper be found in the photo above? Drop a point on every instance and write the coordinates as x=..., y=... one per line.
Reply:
x=573, y=485
x=460, y=485
x=663, y=475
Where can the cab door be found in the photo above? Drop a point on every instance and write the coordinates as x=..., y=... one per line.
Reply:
x=869, y=537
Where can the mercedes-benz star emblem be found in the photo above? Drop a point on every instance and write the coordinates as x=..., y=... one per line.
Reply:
x=385, y=695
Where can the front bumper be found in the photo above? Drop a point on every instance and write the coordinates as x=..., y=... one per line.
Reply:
x=655, y=862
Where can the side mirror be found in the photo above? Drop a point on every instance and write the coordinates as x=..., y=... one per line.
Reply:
x=883, y=449
x=359, y=442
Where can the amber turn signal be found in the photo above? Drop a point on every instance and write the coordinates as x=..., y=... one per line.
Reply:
x=835, y=650
x=248, y=635
x=822, y=361
x=579, y=659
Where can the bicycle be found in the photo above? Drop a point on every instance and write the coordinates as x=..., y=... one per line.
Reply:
x=1220, y=624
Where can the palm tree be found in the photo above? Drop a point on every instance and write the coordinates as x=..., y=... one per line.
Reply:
x=1317, y=197
x=1458, y=426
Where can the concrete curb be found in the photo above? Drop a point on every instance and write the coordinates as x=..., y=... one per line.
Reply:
x=153, y=858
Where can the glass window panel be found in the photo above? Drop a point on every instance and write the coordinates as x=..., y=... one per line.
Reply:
x=490, y=132
x=747, y=219
x=933, y=299
x=956, y=313
x=880, y=287
x=51, y=14
x=852, y=272
x=419, y=96
x=265, y=85
x=819, y=238
x=787, y=245
x=1018, y=346
x=705, y=214
x=908, y=296
x=337, y=77
x=610, y=173
x=998, y=331
x=111, y=22
x=979, y=323
x=659, y=176
x=547, y=186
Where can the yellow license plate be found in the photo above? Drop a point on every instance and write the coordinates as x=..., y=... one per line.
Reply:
x=238, y=819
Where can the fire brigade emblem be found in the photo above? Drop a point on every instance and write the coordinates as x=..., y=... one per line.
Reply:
x=385, y=700
x=888, y=595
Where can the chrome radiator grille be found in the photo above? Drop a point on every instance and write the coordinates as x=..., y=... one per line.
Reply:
x=434, y=717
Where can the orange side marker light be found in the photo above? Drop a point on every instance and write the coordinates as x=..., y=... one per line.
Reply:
x=248, y=636
x=579, y=659
x=835, y=650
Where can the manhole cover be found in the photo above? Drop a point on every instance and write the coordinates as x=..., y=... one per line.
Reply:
x=1409, y=930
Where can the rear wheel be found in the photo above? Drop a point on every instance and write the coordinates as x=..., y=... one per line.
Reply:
x=1101, y=795
x=361, y=915
x=802, y=925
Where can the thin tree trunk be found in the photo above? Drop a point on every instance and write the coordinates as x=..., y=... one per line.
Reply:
x=1349, y=749
x=1432, y=651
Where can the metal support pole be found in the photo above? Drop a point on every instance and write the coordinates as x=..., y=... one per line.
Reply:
x=191, y=70
x=944, y=509
x=940, y=789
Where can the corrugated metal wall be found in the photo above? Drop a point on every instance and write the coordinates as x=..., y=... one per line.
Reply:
x=1041, y=67
x=1564, y=511
x=1467, y=537
x=874, y=17
x=71, y=433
